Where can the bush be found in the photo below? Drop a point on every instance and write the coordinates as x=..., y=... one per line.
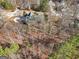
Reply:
x=5, y=4
x=43, y=5
x=68, y=50
x=7, y=51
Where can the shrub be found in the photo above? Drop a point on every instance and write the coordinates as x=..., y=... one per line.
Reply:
x=43, y=5
x=68, y=50
x=7, y=51
x=5, y=4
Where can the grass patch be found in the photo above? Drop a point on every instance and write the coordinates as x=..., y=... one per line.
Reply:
x=68, y=50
